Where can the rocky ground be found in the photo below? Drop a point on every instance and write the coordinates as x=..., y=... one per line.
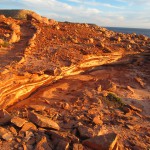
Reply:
x=71, y=86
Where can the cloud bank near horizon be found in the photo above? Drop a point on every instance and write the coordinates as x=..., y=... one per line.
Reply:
x=122, y=13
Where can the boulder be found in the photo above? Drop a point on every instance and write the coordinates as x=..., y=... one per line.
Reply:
x=19, y=122
x=42, y=121
x=5, y=117
x=5, y=134
x=102, y=142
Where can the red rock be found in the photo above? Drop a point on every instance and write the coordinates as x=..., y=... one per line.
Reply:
x=97, y=120
x=43, y=144
x=28, y=126
x=104, y=142
x=5, y=117
x=38, y=107
x=85, y=132
x=42, y=121
x=5, y=134
x=78, y=146
x=19, y=122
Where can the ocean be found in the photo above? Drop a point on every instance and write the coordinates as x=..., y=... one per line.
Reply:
x=130, y=30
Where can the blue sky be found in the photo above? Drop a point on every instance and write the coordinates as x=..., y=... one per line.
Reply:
x=120, y=13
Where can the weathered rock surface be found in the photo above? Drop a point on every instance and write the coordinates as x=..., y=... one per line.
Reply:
x=5, y=134
x=42, y=121
x=5, y=117
x=105, y=142
x=19, y=122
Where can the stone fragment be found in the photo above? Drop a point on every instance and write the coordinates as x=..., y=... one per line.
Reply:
x=5, y=117
x=38, y=107
x=13, y=130
x=28, y=126
x=77, y=146
x=1, y=41
x=43, y=144
x=5, y=134
x=62, y=145
x=14, y=38
x=42, y=121
x=104, y=142
x=134, y=108
x=19, y=122
x=85, y=132
x=97, y=120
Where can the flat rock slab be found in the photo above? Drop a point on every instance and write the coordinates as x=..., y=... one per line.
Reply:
x=19, y=122
x=5, y=134
x=103, y=142
x=42, y=121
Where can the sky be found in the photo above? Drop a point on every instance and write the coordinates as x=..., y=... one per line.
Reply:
x=108, y=13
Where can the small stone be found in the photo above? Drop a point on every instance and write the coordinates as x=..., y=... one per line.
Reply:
x=91, y=40
x=104, y=142
x=42, y=121
x=5, y=117
x=85, y=132
x=62, y=145
x=38, y=107
x=130, y=89
x=19, y=122
x=65, y=106
x=13, y=130
x=78, y=146
x=1, y=41
x=43, y=144
x=5, y=134
x=28, y=126
x=97, y=120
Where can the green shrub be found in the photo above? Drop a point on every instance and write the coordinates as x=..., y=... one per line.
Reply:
x=114, y=98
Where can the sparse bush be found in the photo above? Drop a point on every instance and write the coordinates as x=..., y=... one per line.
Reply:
x=114, y=98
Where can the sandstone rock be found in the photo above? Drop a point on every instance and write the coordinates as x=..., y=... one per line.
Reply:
x=52, y=22
x=85, y=132
x=14, y=27
x=134, y=108
x=107, y=50
x=66, y=106
x=42, y=121
x=5, y=117
x=97, y=120
x=62, y=145
x=78, y=146
x=91, y=40
x=19, y=122
x=107, y=85
x=5, y=134
x=104, y=142
x=38, y=107
x=45, y=20
x=130, y=89
x=13, y=130
x=28, y=126
x=100, y=44
x=1, y=41
x=34, y=16
x=43, y=144
x=14, y=38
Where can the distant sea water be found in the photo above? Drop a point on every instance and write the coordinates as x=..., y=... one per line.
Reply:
x=130, y=30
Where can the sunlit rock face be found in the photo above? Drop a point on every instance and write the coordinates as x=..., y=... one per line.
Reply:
x=70, y=86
